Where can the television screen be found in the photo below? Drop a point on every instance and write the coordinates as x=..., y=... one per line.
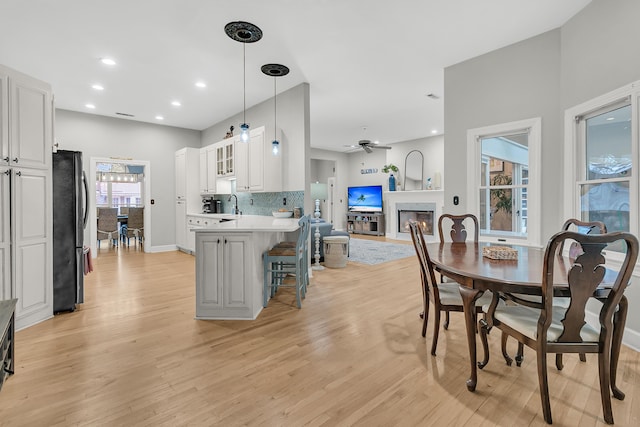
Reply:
x=367, y=198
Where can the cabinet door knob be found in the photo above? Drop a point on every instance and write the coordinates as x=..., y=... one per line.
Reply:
x=6, y=159
x=15, y=160
x=7, y=172
x=19, y=173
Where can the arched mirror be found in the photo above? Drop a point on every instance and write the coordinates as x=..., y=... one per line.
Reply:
x=413, y=164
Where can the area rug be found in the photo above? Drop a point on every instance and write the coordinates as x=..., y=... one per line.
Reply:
x=374, y=252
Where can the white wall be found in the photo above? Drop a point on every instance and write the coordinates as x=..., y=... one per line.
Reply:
x=100, y=136
x=341, y=161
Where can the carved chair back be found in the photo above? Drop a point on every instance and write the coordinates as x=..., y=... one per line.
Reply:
x=458, y=232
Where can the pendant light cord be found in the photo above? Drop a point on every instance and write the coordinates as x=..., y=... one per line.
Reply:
x=244, y=82
x=275, y=109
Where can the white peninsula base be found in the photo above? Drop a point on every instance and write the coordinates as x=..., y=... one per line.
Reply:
x=229, y=271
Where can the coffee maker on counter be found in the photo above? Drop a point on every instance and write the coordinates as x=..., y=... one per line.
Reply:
x=211, y=205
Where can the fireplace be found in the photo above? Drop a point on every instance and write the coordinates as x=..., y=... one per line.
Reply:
x=422, y=213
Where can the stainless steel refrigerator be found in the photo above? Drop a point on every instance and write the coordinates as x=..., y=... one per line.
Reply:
x=70, y=208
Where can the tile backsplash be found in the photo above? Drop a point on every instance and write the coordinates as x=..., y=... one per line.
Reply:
x=263, y=203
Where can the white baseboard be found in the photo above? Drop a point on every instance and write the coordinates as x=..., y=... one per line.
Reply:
x=165, y=248
x=630, y=338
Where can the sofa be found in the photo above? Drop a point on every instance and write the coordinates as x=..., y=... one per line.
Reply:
x=325, y=230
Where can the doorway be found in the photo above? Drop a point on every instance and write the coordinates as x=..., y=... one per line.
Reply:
x=108, y=179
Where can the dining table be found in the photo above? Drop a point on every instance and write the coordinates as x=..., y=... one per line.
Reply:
x=464, y=262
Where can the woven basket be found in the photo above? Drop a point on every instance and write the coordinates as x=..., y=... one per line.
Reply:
x=499, y=252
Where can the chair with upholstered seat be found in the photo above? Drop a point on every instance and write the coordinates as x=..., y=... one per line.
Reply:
x=135, y=225
x=445, y=296
x=572, y=224
x=552, y=328
x=108, y=225
x=458, y=230
x=284, y=260
x=458, y=233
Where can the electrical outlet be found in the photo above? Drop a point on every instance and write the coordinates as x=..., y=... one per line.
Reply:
x=251, y=202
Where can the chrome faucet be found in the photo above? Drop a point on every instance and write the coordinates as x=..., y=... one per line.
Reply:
x=234, y=209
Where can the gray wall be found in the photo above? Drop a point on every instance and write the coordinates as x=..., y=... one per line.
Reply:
x=99, y=136
x=520, y=81
x=293, y=120
x=600, y=50
x=593, y=53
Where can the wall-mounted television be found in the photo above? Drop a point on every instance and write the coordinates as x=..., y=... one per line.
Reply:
x=365, y=198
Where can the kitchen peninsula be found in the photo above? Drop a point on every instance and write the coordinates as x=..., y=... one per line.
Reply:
x=229, y=272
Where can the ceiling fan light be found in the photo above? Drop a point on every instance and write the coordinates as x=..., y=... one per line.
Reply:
x=244, y=132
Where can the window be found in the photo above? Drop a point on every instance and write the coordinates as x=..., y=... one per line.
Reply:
x=119, y=185
x=600, y=152
x=503, y=183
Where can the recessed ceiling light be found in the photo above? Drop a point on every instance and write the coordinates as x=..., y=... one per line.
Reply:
x=97, y=87
x=610, y=118
x=107, y=61
x=434, y=131
x=159, y=118
x=201, y=84
x=90, y=106
x=176, y=103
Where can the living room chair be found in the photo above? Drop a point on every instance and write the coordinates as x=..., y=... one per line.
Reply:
x=445, y=296
x=284, y=260
x=551, y=328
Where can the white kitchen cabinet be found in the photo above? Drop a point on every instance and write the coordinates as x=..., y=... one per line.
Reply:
x=187, y=179
x=208, y=170
x=181, y=179
x=223, y=285
x=195, y=222
x=181, y=224
x=26, y=216
x=225, y=158
x=257, y=169
x=27, y=137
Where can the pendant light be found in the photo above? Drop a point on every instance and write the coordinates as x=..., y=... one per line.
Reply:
x=243, y=32
x=275, y=70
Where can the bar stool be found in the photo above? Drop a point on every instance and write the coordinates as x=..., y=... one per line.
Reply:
x=285, y=259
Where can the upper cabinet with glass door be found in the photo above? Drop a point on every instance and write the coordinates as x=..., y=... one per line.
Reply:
x=225, y=161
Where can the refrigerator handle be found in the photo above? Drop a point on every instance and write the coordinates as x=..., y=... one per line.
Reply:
x=86, y=199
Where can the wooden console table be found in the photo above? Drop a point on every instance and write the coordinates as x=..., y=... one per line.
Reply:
x=7, y=343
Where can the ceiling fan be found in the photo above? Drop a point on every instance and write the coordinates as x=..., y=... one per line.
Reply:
x=368, y=145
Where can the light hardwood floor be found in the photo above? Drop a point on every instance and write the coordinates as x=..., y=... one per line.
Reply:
x=353, y=355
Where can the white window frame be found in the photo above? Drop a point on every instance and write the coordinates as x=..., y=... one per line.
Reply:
x=474, y=160
x=574, y=153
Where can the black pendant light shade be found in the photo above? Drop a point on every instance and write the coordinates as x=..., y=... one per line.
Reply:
x=243, y=32
x=275, y=70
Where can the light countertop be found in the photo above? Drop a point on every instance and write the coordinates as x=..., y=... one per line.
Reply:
x=248, y=223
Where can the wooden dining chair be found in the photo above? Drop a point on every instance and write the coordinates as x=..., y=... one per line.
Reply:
x=551, y=328
x=456, y=225
x=445, y=296
x=458, y=231
x=572, y=224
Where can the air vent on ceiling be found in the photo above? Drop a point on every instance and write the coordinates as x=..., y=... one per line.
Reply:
x=125, y=114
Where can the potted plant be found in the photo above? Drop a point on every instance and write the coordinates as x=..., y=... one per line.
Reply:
x=392, y=180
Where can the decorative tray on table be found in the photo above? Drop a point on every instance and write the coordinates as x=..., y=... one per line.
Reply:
x=499, y=252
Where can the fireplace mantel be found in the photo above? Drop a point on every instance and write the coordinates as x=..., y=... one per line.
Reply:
x=392, y=198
